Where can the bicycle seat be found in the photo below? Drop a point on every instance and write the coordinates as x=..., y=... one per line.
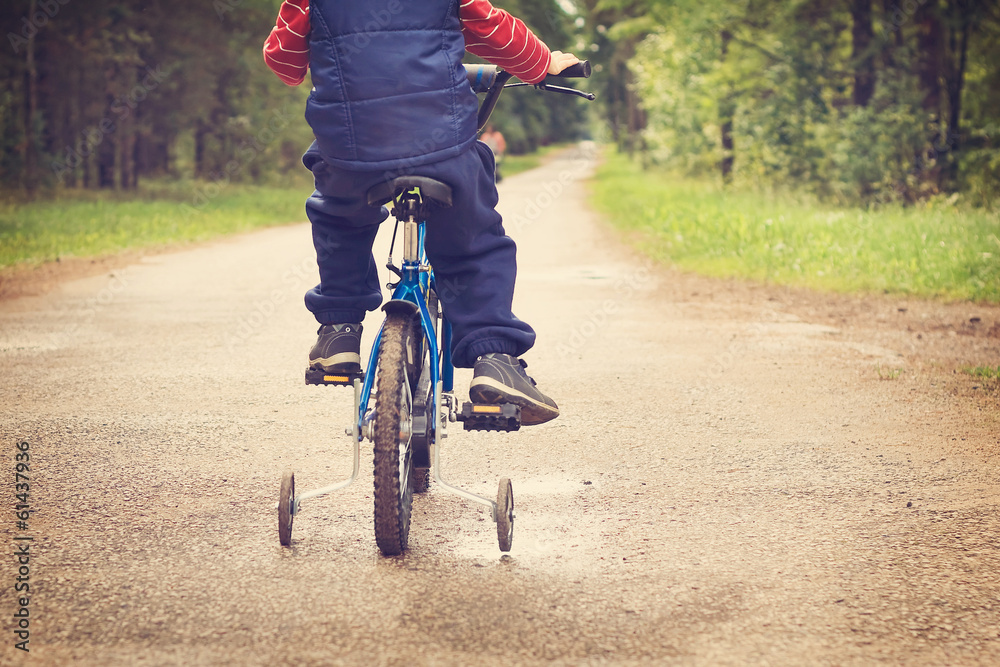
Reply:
x=430, y=190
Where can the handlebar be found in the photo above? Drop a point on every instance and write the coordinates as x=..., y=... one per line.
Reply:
x=482, y=77
x=491, y=80
x=581, y=70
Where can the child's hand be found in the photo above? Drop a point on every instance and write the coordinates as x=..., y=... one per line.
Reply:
x=561, y=61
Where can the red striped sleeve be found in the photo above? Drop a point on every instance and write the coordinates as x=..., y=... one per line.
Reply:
x=286, y=50
x=503, y=40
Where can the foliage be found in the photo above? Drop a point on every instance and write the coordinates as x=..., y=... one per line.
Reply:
x=103, y=93
x=930, y=249
x=128, y=89
x=983, y=372
x=989, y=376
x=857, y=101
x=529, y=120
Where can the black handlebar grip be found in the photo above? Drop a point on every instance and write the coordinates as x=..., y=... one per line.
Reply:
x=581, y=70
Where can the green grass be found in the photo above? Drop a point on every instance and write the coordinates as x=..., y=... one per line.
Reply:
x=985, y=372
x=88, y=224
x=989, y=376
x=515, y=164
x=887, y=373
x=929, y=251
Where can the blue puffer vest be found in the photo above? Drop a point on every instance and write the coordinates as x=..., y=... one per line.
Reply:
x=389, y=87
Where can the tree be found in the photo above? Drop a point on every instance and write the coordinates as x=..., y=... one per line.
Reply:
x=106, y=93
x=853, y=100
x=862, y=51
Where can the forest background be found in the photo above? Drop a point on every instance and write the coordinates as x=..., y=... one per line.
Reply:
x=104, y=94
x=867, y=105
x=861, y=101
x=856, y=100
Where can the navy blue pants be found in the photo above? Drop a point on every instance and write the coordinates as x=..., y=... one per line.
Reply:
x=474, y=260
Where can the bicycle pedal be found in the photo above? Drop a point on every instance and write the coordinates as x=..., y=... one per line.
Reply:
x=319, y=376
x=487, y=417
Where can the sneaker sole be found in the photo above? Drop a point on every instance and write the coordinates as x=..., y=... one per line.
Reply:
x=533, y=411
x=345, y=362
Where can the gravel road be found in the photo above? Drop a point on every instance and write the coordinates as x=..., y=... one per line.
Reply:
x=731, y=482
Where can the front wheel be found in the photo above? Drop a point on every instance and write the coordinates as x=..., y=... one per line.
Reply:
x=401, y=344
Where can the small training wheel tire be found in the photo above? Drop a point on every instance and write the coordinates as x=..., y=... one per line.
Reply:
x=286, y=498
x=505, y=514
x=421, y=479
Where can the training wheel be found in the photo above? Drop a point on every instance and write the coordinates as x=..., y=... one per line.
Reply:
x=286, y=499
x=421, y=479
x=505, y=514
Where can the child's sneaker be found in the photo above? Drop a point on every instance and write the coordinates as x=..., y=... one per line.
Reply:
x=338, y=349
x=500, y=378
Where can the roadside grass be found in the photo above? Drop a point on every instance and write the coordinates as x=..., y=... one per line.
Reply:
x=989, y=376
x=986, y=372
x=928, y=251
x=887, y=373
x=89, y=224
x=515, y=164
x=93, y=223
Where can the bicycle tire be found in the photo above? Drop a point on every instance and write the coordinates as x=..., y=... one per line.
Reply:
x=393, y=469
x=286, y=499
x=505, y=514
x=421, y=480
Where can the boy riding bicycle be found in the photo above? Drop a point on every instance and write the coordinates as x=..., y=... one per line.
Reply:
x=391, y=98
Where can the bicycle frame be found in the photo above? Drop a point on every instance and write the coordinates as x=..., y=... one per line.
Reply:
x=416, y=278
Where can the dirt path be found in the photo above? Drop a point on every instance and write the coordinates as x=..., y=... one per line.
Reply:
x=741, y=475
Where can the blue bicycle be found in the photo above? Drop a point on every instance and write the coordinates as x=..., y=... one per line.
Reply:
x=410, y=369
